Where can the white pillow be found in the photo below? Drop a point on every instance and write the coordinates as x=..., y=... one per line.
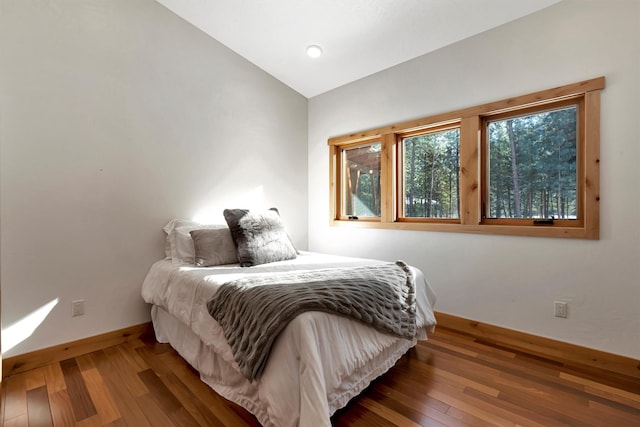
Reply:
x=176, y=222
x=182, y=251
x=172, y=225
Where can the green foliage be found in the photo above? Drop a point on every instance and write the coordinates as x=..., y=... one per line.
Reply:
x=538, y=178
x=431, y=175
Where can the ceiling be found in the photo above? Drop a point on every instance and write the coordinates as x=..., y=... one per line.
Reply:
x=358, y=37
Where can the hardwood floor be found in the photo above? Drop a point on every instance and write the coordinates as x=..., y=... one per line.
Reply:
x=450, y=380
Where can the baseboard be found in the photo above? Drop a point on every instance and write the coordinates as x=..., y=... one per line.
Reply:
x=36, y=359
x=558, y=351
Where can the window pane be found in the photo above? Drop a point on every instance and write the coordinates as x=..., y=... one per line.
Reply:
x=431, y=175
x=361, y=180
x=532, y=166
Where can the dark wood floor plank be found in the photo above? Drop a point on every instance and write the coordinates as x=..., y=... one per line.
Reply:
x=153, y=361
x=80, y=399
x=419, y=401
x=391, y=415
x=156, y=347
x=201, y=412
x=38, y=407
x=166, y=400
x=613, y=416
x=358, y=416
x=156, y=416
x=227, y=412
x=396, y=411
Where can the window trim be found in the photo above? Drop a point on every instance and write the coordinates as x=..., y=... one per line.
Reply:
x=471, y=166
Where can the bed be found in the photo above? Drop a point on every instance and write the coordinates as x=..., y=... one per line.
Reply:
x=317, y=363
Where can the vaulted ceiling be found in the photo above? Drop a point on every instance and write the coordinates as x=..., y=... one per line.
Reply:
x=358, y=37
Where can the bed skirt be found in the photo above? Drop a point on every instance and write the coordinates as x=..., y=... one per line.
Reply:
x=226, y=380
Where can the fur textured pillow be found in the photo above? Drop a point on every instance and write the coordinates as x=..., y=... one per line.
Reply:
x=260, y=237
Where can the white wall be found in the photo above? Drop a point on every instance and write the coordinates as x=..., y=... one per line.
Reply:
x=503, y=280
x=116, y=115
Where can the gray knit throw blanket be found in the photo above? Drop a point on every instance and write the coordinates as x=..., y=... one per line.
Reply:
x=252, y=311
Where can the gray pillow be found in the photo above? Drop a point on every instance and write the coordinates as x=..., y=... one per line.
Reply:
x=260, y=237
x=213, y=246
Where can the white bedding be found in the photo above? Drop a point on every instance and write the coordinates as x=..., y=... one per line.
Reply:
x=319, y=362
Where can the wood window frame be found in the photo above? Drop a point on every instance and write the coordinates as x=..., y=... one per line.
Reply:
x=580, y=152
x=400, y=173
x=472, y=152
x=337, y=165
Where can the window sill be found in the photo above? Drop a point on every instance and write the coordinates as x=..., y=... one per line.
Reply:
x=510, y=230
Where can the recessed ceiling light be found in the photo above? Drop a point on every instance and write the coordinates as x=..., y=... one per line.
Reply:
x=314, y=51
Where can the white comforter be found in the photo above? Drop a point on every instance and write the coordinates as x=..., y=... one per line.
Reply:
x=318, y=363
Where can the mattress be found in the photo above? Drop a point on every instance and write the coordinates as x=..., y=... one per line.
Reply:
x=317, y=364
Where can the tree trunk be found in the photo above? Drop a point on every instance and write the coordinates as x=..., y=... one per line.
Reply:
x=374, y=194
x=348, y=198
x=514, y=170
x=412, y=171
x=450, y=185
x=458, y=180
x=559, y=193
x=433, y=161
x=354, y=195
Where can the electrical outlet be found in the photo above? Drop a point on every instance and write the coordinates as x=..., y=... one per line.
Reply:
x=561, y=309
x=77, y=307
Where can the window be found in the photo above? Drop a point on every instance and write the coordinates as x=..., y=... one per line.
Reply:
x=361, y=180
x=431, y=182
x=526, y=166
x=531, y=169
